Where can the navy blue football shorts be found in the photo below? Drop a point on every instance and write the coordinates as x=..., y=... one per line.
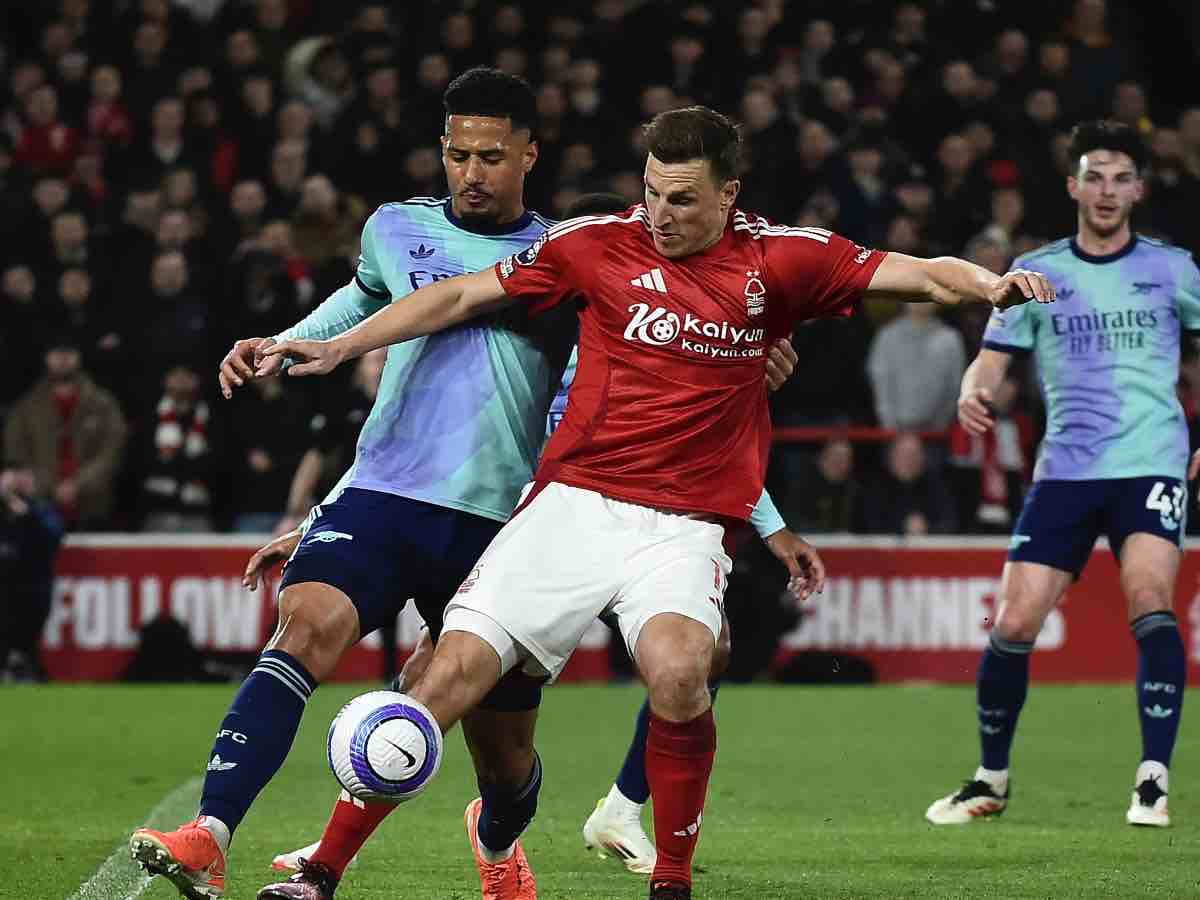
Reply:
x=1062, y=519
x=379, y=549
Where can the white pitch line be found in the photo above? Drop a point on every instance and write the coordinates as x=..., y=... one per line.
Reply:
x=119, y=876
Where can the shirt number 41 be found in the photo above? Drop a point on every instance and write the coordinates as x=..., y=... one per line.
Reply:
x=1169, y=504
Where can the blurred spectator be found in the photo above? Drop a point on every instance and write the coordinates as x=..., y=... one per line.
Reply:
x=172, y=318
x=71, y=433
x=987, y=473
x=30, y=534
x=1098, y=58
x=109, y=125
x=270, y=430
x=179, y=462
x=47, y=145
x=317, y=72
x=906, y=498
x=826, y=496
x=164, y=147
x=915, y=364
x=960, y=192
x=22, y=316
x=332, y=440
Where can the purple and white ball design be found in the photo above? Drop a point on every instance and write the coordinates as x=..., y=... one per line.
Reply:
x=384, y=746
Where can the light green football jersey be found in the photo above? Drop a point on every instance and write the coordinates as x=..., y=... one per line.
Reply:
x=1107, y=352
x=460, y=416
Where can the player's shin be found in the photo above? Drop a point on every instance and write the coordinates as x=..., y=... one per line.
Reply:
x=1001, y=687
x=1161, y=677
x=679, y=760
x=507, y=812
x=255, y=736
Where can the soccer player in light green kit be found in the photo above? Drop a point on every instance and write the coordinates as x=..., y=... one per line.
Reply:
x=1112, y=461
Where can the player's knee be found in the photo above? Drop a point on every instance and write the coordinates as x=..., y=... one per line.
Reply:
x=1148, y=597
x=1019, y=622
x=678, y=687
x=315, y=627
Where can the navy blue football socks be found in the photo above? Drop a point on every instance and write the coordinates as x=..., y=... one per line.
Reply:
x=255, y=736
x=505, y=814
x=1161, y=676
x=1001, y=686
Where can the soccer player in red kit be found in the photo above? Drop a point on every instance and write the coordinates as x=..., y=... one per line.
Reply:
x=664, y=443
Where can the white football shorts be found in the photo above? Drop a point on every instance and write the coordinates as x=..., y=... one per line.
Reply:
x=569, y=555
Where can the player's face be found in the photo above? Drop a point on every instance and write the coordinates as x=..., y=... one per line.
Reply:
x=486, y=163
x=688, y=209
x=1105, y=186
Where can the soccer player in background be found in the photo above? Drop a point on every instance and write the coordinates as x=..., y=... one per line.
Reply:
x=663, y=445
x=1112, y=460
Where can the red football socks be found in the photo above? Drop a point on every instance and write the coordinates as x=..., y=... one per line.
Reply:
x=349, y=827
x=679, y=759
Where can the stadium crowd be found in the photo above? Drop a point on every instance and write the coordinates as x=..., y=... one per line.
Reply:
x=175, y=175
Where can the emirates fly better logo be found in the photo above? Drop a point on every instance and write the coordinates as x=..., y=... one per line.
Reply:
x=659, y=327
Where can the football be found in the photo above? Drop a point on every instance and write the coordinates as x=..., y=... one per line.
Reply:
x=384, y=746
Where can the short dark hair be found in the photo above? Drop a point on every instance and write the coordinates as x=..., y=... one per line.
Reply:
x=1106, y=134
x=696, y=132
x=597, y=204
x=483, y=91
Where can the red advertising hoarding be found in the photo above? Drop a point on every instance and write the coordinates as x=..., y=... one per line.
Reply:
x=917, y=609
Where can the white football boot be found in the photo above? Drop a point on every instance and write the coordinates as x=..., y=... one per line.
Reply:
x=615, y=827
x=290, y=862
x=978, y=799
x=1149, y=803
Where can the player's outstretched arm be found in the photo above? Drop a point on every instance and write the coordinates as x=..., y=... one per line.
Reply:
x=950, y=281
x=433, y=308
x=979, y=383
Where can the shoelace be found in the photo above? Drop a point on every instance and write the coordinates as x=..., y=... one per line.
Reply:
x=317, y=874
x=977, y=788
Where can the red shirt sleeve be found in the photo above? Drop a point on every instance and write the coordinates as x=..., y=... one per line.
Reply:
x=817, y=272
x=539, y=274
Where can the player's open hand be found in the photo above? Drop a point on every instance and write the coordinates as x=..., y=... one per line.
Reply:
x=1020, y=286
x=267, y=556
x=240, y=363
x=805, y=570
x=308, y=357
x=781, y=363
x=975, y=411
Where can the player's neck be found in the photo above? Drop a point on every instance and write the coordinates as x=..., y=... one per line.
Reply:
x=1102, y=244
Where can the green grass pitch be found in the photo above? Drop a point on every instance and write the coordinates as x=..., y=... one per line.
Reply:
x=817, y=793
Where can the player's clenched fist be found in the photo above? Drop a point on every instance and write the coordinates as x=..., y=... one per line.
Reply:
x=975, y=410
x=240, y=363
x=1020, y=286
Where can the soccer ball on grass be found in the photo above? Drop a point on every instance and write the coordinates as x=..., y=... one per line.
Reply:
x=384, y=746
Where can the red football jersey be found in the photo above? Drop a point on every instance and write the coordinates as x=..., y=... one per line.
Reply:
x=669, y=405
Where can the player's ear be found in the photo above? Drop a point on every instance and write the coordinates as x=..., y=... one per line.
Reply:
x=729, y=192
x=529, y=157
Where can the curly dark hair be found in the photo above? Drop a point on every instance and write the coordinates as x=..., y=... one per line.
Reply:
x=483, y=91
x=1106, y=134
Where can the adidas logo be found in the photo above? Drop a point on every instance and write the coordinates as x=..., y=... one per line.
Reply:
x=1157, y=712
x=216, y=765
x=691, y=829
x=422, y=252
x=651, y=281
